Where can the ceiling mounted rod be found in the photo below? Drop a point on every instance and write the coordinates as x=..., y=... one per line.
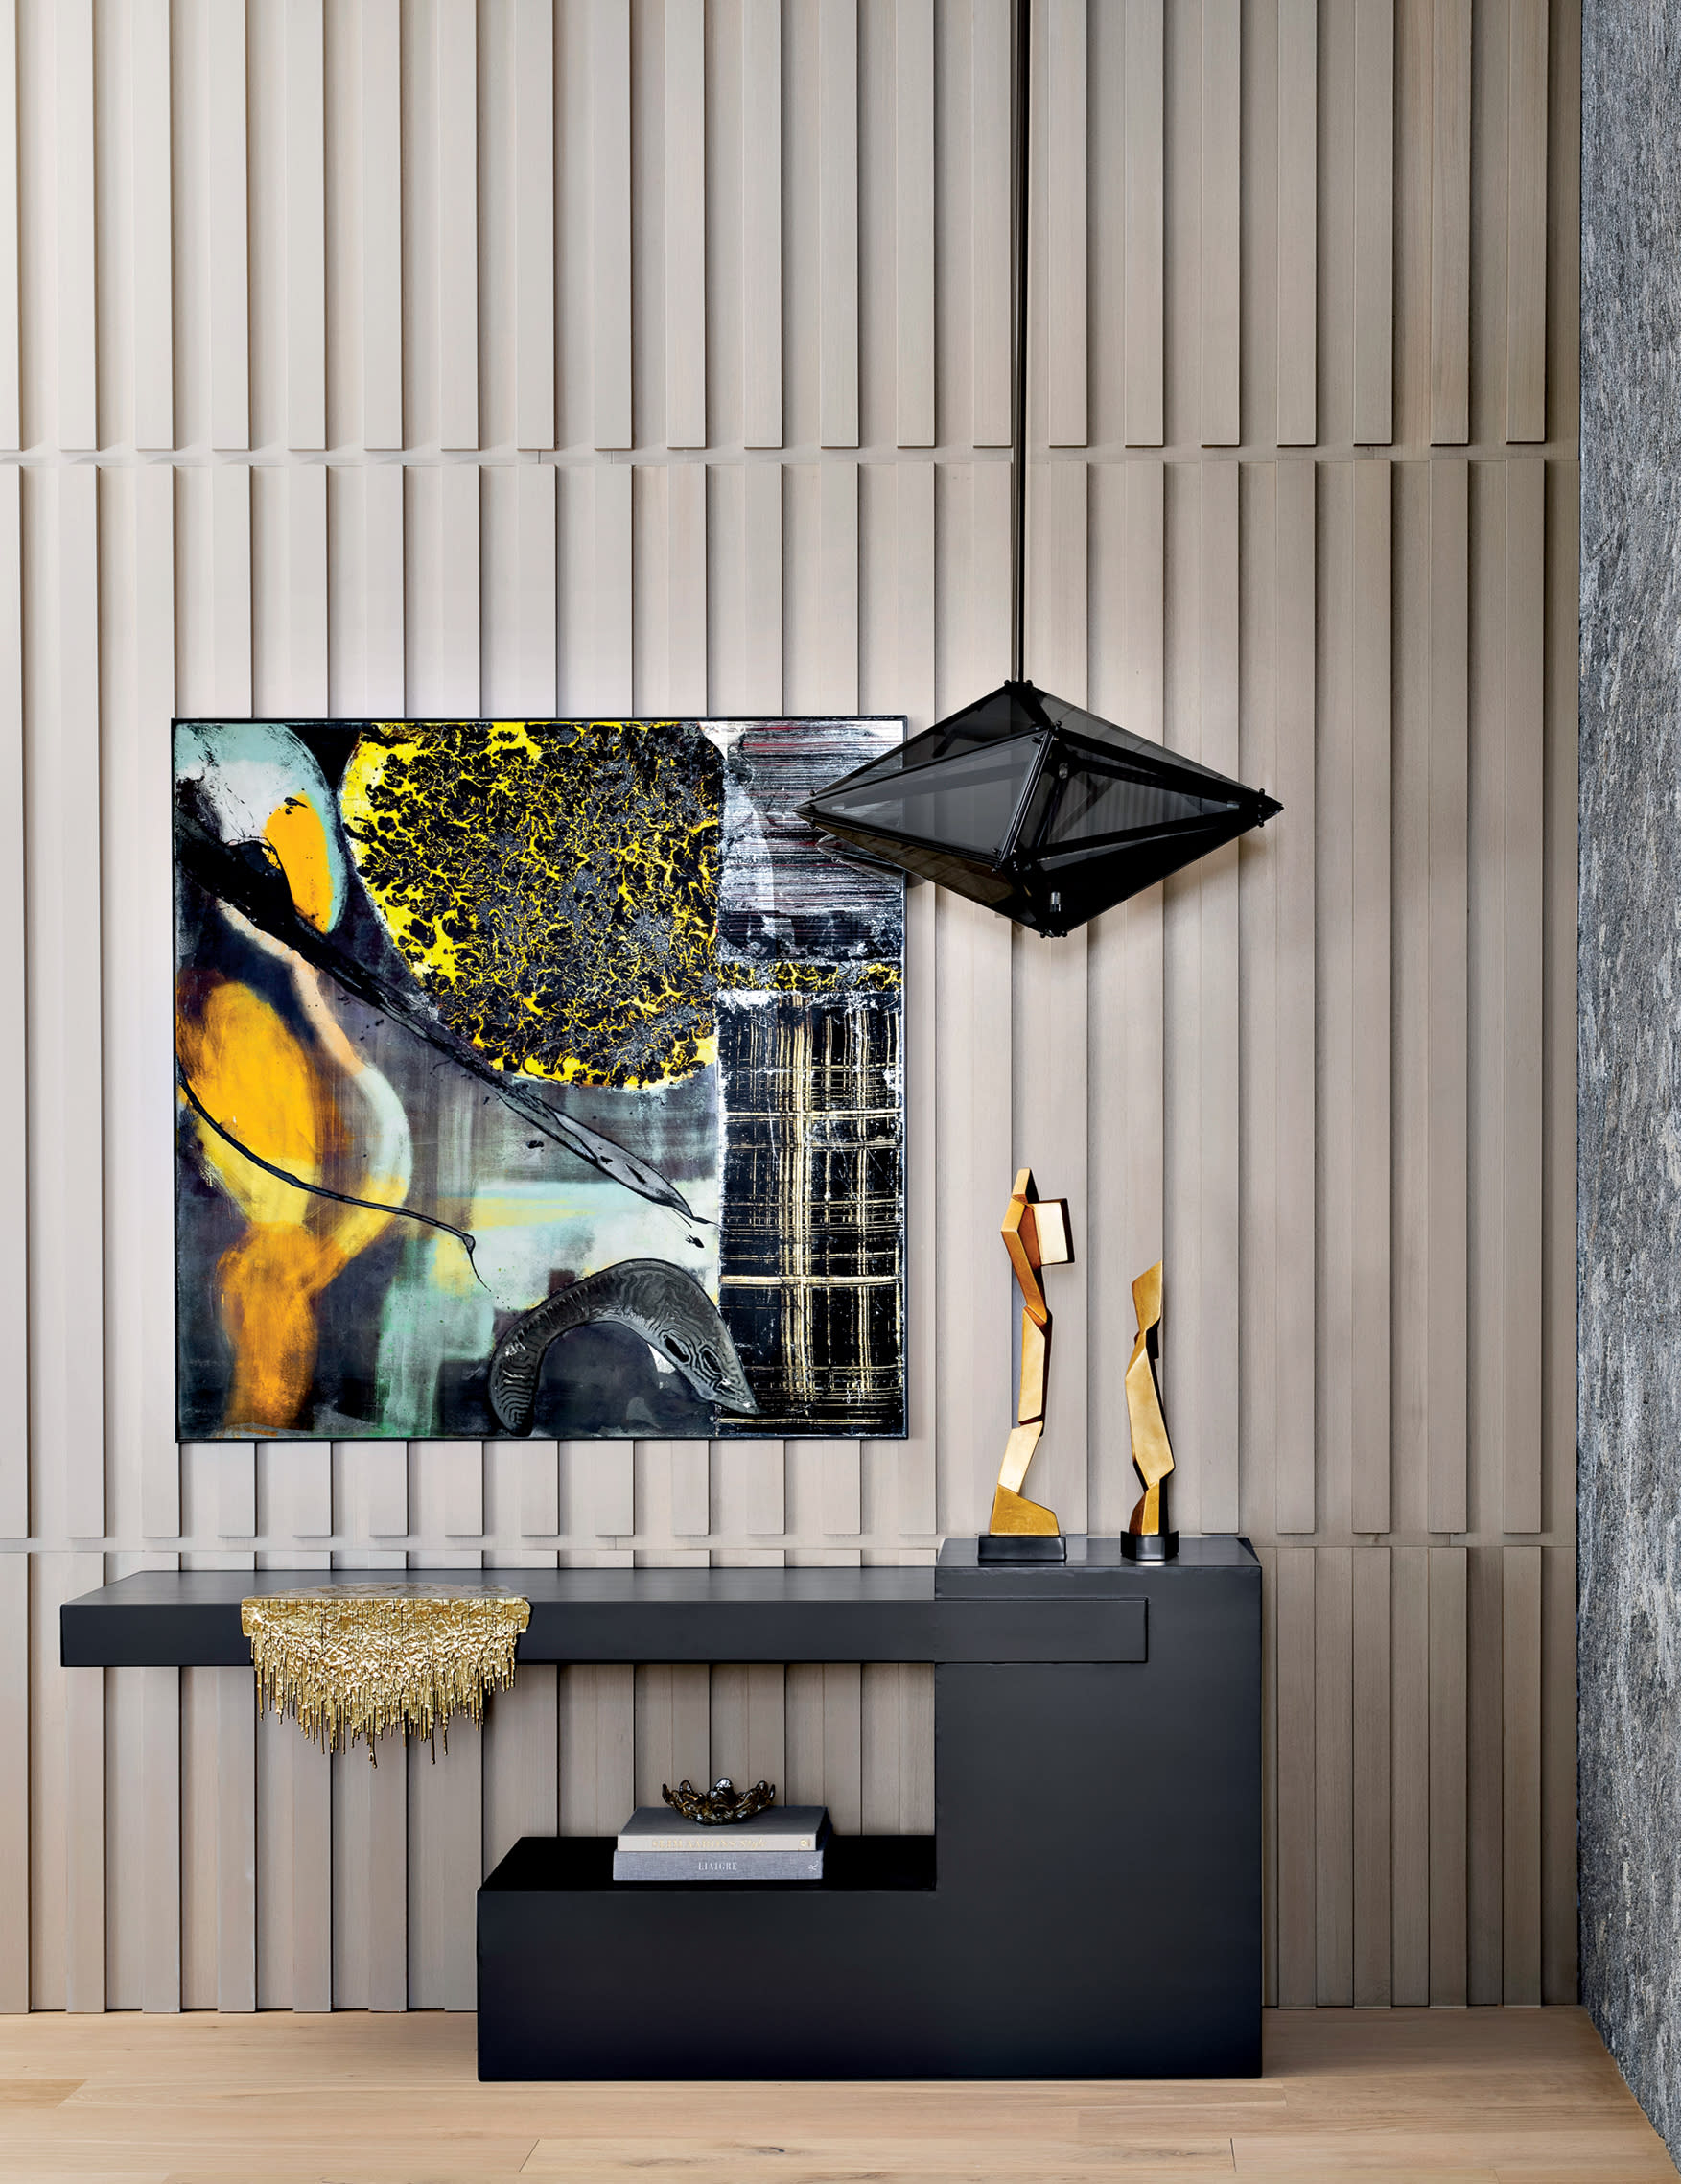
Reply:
x=1018, y=384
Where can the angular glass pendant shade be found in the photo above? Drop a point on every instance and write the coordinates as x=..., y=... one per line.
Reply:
x=1036, y=807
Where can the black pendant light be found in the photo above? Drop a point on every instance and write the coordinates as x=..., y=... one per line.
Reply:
x=1033, y=806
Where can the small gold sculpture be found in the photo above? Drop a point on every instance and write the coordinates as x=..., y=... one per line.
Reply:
x=1036, y=1235
x=1146, y=1540
x=722, y=1804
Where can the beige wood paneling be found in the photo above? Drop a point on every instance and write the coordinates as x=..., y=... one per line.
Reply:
x=593, y=354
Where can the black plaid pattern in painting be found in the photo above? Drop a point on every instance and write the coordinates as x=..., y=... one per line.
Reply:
x=812, y=1256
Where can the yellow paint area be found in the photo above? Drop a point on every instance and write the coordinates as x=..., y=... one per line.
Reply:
x=420, y=938
x=298, y=838
x=254, y=1076
x=552, y=885
x=260, y=1083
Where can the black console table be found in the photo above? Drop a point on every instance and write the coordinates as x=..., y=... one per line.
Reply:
x=1089, y=1904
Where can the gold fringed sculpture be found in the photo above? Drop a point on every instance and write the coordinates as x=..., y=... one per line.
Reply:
x=349, y=1661
x=1146, y=1540
x=1036, y=1235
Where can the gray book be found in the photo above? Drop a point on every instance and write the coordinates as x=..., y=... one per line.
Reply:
x=723, y=1864
x=782, y=1828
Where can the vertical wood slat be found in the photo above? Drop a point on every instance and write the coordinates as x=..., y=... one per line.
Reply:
x=534, y=122
x=225, y=225
x=1447, y=1776
x=63, y=919
x=1483, y=1749
x=1526, y=223
x=161, y=1845
x=1295, y=1610
x=1410, y=1726
x=1521, y=880
x=14, y=1788
x=73, y=245
x=685, y=238
x=913, y=214
x=1217, y=1002
x=1145, y=194
x=1295, y=1490
x=381, y=178
x=137, y=1095
x=1370, y=1082
x=150, y=240
x=992, y=335
x=10, y=434
x=306, y=228
x=838, y=223
x=1520, y=1719
x=457, y=232
x=1374, y=221
x=609, y=285
x=1068, y=332
x=1450, y=223
x=14, y=1079
x=1446, y=993
x=1299, y=263
x=1334, y=1845
x=761, y=222
x=1221, y=190
x=1372, y=1757
x=235, y=1715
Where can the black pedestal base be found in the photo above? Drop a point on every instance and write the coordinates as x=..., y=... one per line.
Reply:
x=1150, y=1547
x=1022, y=1547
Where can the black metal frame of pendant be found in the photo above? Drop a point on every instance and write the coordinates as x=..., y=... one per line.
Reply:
x=1022, y=801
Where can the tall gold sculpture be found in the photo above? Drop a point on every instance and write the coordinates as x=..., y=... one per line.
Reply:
x=1036, y=1235
x=1146, y=1540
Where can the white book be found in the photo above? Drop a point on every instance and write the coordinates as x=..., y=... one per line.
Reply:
x=657, y=1828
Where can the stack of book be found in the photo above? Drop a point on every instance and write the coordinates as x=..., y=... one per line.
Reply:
x=784, y=1843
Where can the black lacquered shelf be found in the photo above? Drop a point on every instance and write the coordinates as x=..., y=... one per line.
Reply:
x=1095, y=1607
x=582, y=1864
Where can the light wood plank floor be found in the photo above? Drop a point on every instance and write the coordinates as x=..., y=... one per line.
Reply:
x=1477, y=2097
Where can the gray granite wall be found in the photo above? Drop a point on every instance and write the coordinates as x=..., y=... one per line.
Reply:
x=1629, y=1143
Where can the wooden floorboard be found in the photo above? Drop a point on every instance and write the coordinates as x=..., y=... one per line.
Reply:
x=1374, y=2096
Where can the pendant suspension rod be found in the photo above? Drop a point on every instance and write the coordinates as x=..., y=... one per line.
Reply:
x=1018, y=386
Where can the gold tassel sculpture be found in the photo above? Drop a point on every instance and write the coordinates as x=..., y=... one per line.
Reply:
x=1036, y=1235
x=349, y=1661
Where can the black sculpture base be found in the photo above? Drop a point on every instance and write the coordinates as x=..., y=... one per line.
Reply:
x=1022, y=1547
x=1150, y=1547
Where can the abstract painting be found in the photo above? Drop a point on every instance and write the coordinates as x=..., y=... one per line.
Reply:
x=536, y=1076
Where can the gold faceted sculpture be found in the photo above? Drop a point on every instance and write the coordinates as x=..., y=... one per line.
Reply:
x=1036, y=1235
x=1145, y=1539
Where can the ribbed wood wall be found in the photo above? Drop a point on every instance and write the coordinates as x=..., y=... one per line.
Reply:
x=610, y=356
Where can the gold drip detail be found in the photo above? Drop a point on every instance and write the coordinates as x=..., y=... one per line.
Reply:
x=350, y=1661
x=1152, y=1452
x=1036, y=1235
